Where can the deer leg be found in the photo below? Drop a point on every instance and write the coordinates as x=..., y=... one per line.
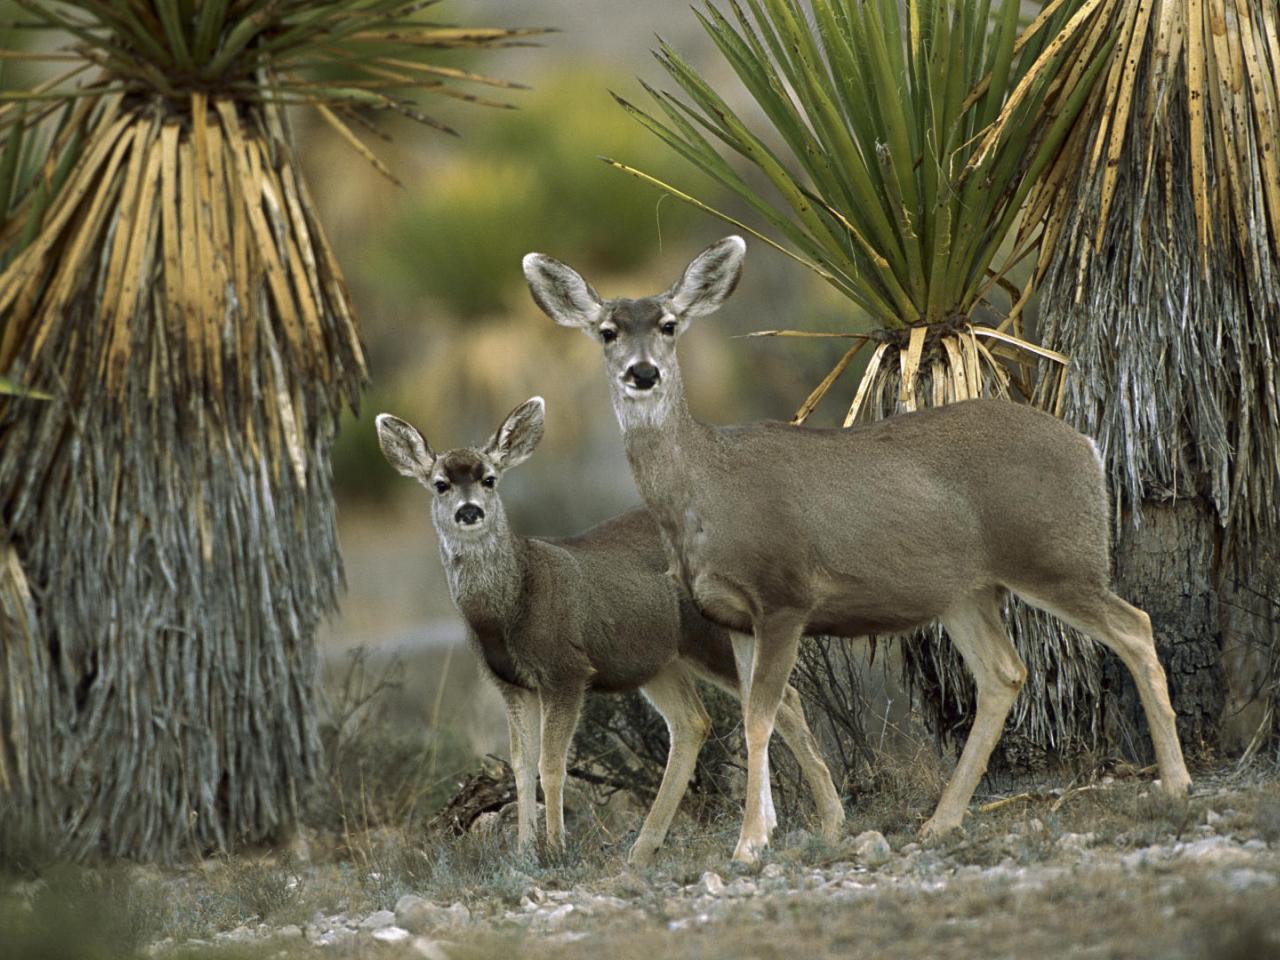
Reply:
x=560, y=711
x=777, y=640
x=998, y=673
x=1127, y=630
x=799, y=738
x=795, y=732
x=674, y=694
x=744, y=646
x=522, y=727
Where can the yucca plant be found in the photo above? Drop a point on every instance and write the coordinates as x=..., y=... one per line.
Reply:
x=876, y=172
x=872, y=173
x=166, y=519
x=1160, y=276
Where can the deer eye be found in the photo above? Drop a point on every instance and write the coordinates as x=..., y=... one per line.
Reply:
x=441, y=486
x=668, y=329
x=608, y=334
x=488, y=482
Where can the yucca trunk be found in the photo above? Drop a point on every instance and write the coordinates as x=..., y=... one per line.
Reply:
x=169, y=515
x=1163, y=284
x=167, y=542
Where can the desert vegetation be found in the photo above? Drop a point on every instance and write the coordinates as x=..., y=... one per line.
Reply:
x=207, y=748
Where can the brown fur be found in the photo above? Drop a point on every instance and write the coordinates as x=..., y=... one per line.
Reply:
x=554, y=619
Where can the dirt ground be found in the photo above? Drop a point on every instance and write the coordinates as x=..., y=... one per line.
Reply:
x=1103, y=866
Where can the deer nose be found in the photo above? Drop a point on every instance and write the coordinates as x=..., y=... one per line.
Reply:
x=468, y=514
x=643, y=375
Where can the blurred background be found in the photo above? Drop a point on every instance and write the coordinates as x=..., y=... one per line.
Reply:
x=455, y=342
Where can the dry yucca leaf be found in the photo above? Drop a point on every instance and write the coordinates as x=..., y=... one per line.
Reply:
x=166, y=516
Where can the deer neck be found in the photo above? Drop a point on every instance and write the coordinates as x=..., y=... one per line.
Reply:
x=485, y=574
x=661, y=441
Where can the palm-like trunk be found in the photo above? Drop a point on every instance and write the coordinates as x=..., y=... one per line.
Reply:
x=167, y=541
x=171, y=508
x=1163, y=285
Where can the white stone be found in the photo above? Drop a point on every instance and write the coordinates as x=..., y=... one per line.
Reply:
x=391, y=934
x=1242, y=878
x=712, y=884
x=290, y=932
x=772, y=871
x=872, y=848
x=378, y=920
x=557, y=916
x=431, y=949
x=1212, y=850
x=1075, y=841
x=420, y=915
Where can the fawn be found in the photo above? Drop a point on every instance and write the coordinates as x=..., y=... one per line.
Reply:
x=553, y=619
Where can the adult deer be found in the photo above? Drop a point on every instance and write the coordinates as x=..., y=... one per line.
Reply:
x=779, y=531
x=554, y=619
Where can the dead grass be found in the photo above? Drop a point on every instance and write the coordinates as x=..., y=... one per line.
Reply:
x=361, y=862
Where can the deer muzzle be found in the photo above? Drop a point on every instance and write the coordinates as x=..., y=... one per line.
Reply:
x=642, y=376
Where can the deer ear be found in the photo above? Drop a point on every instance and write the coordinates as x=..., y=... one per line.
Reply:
x=515, y=440
x=404, y=447
x=561, y=293
x=709, y=279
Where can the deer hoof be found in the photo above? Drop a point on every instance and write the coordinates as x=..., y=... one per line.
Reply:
x=642, y=853
x=935, y=828
x=748, y=851
x=833, y=825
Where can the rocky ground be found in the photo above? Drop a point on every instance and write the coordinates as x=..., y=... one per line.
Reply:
x=1108, y=870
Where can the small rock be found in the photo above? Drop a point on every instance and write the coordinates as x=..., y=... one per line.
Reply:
x=557, y=916
x=378, y=920
x=419, y=914
x=1213, y=818
x=569, y=936
x=391, y=934
x=1139, y=858
x=1242, y=878
x=290, y=932
x=1255, y=845
x=871, y=848
x=772, y=871
x=712, y=884
x=1076, y=841
x=742, y=887
x=1212, y=850
x=431, y=949
x=333, y=937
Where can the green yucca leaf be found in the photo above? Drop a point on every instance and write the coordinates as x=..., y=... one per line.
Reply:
x=265, y=50
x=875, y=116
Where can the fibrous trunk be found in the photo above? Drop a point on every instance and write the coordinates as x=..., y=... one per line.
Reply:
x=167, y=541
x=1167, y=298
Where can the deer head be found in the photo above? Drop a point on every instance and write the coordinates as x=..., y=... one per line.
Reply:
x=638, y=336
x=464, y=481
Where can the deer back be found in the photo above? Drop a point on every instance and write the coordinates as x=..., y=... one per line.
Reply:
x=878, y=527
x=602, y=598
